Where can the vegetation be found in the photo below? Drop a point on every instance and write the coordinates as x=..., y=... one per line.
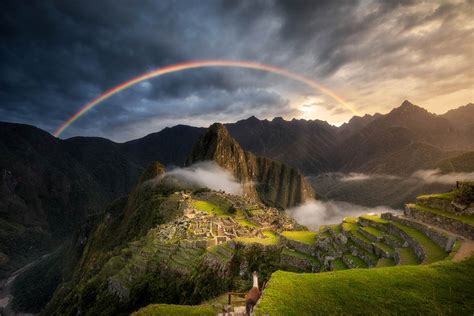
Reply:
x=338, y=264
x=373, y=231
x=440, y=288
x=408, y=257
x=432, y=251
x=385, y=262
x=468, y=219
x=176, y=310
x=209, y=207
x=374, y=218
x=304, y=236
x=445, y=196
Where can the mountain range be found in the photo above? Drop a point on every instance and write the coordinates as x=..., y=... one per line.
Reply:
x=49, y=185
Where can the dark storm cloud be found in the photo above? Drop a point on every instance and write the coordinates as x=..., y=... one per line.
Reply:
x=57, y=55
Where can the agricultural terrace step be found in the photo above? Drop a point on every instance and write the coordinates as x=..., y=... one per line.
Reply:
x=425, y=249
x=461, y=224
x=441, y=237
x=406, y=256
x=338, y=264
x=430, y=251
x=369, y=258
x=385, y=262
x=353, y=261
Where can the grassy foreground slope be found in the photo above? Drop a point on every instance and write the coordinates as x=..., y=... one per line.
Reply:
x=443, y=288
x=176, y=310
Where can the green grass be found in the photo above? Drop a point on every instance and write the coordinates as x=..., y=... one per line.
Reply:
x=357, y=261
x=176, y=310
x=307, y=237
x=336, y=228
x=245, y=222
x=385, y=262
x=350, y=219
x=298, y=254
x=209, y=207
x=468, y=219
x=385, y=247
x=353, y=229
x=338, y=264
x=269, y=234
x=256, y=240
x=445, y=196
x=442, y=288
x=373, y=231
x=374, y=218
x=408, y=257
x=433, y=252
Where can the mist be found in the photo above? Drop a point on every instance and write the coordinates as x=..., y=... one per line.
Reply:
x=207, y=174
x=435, y=176
x=315, y=213
x=426, y=176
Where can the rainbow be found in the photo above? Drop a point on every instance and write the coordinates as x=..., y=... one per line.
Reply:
x=201, y=64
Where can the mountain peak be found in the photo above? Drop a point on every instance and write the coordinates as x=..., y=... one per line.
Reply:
x=408, y=108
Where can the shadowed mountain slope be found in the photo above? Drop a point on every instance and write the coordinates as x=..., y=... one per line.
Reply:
x=270, y=181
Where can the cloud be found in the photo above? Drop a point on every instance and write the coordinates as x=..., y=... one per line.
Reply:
x=435, y=176
x=427, y=176
x=55, y=56
x=354, y=176
x=315, y=213
x=209, y=175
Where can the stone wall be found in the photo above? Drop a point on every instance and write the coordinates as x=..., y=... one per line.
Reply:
x=298, y=264
x=443, y=240
x=433, y=202
x=450, y=224
x=420, y=253
x=299, y=246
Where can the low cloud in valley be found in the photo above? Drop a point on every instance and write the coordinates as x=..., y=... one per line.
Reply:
x=207, y=174
x=315, y=213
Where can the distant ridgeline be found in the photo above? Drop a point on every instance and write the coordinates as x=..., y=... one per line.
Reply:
x=170, y=243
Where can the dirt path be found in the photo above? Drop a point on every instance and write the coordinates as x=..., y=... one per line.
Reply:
x=466, y=250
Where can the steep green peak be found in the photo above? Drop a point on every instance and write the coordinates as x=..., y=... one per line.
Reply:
x=152, y=171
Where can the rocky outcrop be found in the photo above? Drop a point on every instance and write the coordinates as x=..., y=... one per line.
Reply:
x=263, y=179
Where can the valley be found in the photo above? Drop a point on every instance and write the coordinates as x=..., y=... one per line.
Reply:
x=138, y=230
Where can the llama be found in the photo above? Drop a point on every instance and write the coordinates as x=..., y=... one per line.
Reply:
x=253, y=295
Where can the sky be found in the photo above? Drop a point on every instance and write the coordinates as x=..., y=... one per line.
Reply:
x=55, y=56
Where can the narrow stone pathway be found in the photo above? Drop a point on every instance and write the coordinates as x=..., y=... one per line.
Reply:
x=466, y=250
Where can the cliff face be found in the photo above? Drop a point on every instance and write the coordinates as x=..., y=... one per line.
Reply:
x=270, y=181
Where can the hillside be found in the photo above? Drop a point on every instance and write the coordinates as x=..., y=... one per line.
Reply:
x=165, y=242
x=383, y=264
x=445, y=288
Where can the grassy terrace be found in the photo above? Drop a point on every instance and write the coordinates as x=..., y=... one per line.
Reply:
x=353, y=229
x=209, y=207
x=373, y=231
x=357, y=261
x=298, y=254
x=338, y=264
x=307, y=237
x=408, y=257
x=445, y=196
x=468, y=219
x=385, y=247
x=442, y=288
x=176, y=310
x=374, y=218
x=433, y=252
x=256, y=240
x=245, y=222
x=385, y=262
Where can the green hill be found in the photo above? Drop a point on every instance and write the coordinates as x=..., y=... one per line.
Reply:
x=443, y=288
